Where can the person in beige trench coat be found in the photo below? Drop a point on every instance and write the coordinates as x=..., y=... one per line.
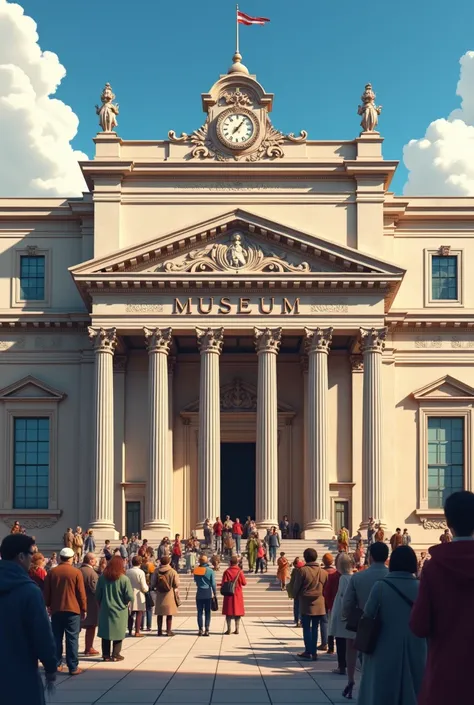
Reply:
x=140, y=587
x=165, y=602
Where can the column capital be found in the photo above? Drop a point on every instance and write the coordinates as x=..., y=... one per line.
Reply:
x=158, y=340
x=357, y=363
x=210, y=340
x=103, y=339
x=318, y=340
x=372, y=339
x=267, y=339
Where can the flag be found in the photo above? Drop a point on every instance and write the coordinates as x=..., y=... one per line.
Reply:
x=242, y=18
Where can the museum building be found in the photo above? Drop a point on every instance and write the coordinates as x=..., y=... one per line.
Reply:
x=235, y=321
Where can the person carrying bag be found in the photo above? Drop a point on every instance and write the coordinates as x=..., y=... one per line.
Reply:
x=233, y=581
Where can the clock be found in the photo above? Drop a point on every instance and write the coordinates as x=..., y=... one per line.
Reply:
x=237, y=129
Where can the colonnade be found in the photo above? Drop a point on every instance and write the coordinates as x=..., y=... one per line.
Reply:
x=210, y=343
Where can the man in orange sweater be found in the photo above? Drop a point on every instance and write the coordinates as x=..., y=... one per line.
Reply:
x=65, y=597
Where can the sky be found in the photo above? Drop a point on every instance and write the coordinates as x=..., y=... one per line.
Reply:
x=314, y=55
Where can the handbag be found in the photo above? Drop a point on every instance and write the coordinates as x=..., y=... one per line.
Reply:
x=214, y=603
x=177, y=598
x=369, y=627
x=228, y=588
x=352, y=623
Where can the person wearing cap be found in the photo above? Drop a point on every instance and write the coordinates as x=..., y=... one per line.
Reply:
x=65, y=597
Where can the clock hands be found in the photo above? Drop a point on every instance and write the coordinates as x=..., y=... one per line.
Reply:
x=238, y=126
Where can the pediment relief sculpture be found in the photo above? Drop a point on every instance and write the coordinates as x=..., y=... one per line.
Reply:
x=236, y=255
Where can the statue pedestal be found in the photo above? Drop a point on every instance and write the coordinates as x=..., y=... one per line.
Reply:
x=369, y=146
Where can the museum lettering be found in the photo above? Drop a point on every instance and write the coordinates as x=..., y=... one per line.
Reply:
x=224, y=305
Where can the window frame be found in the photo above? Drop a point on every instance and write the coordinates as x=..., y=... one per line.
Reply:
x=448, y=468
x=44, y=408
x=425, y=412
x=17, y=300
x=26, y=465
x=429, y=302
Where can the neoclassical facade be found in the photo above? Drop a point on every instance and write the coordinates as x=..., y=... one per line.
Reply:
x=235, y=321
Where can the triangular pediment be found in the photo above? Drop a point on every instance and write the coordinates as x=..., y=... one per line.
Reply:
x=30, y=389
x=446, y=388
x=236, y=397
x=262, y=246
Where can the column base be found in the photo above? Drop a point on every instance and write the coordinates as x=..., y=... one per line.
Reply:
x=156, y=533
x=101, y=533
x=318, y=531
x=264, y=525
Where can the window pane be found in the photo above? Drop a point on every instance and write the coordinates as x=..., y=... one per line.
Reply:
x=444, y=278
x=32, y=270
x=445, y=459
x=31, y=468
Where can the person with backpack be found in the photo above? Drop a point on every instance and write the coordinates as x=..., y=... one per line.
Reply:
x=205, y=579
x=165, y=583
x=233, y=581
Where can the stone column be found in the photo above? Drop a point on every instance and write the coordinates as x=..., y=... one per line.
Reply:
x=372, y=346
x=318, y=520
x=158, y=495
x=102, y=520
x=267, y=343
x=210, y=342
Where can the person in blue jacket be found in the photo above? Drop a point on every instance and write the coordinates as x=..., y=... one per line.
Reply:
x=205, y=579
x=25, y=633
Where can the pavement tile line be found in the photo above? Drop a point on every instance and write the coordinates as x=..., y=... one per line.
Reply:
x=263, y=658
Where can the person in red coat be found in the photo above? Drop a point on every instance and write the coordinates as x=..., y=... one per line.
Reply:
x=233, y=606
x=443, y=612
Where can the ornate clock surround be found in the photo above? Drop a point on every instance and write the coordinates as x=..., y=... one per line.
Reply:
x=238, y=110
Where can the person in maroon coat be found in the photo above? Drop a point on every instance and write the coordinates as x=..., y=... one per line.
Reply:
x=443, y=612
x=233, y=606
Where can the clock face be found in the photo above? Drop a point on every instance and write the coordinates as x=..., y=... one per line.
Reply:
x=237, y=130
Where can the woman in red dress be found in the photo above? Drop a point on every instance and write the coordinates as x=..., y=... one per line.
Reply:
x=233, y=606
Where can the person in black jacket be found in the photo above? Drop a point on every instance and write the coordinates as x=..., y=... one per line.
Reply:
x=25, y=634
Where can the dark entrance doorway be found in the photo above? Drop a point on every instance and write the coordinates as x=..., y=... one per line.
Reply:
x=341, y=515
x=238, y=480
x=132, y=518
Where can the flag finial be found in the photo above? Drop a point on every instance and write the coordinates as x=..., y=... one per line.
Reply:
x=238, y=66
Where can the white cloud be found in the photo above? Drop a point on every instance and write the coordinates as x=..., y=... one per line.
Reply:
x=442, y=162
x=35, y=129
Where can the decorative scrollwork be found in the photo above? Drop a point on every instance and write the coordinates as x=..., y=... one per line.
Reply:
x=237, y=255
x=302, y=137
x=237, y=98
x=438, y=524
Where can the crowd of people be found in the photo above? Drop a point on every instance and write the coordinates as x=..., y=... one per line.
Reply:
x=408, y=621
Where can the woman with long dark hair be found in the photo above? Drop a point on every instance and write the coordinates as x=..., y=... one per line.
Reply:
x=114, y=592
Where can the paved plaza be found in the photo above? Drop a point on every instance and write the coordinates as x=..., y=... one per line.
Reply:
x=257, y=666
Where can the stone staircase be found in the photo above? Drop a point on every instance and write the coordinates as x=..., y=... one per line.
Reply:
x=262, y=594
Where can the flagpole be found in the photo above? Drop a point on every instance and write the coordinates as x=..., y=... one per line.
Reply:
x=237, y=29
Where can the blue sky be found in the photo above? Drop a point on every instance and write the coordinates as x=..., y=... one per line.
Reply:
x=315, y=56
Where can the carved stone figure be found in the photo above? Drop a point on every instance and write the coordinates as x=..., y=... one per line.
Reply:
x=368, y=110
x=239, y=254
x=107, y=111
x=236, y=254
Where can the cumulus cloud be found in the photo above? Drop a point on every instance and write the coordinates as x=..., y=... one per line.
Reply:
x=442, y=162
x=36, y=129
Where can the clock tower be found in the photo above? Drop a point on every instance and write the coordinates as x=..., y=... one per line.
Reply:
x=238, y=126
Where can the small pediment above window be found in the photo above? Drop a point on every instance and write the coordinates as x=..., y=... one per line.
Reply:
x=445, y=389
x=30, y=389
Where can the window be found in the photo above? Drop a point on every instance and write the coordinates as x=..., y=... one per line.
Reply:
x=445, y=458
x=31, y=462
x=444, y=278
x=32, y=277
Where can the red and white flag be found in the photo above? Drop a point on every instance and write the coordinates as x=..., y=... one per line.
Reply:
x=242, y=18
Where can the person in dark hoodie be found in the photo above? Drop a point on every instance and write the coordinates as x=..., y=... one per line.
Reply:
x=25, y=633
x=443, y=612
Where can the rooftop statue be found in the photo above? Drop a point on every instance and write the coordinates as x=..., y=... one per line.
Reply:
x=107, y=111
x=369, y=111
